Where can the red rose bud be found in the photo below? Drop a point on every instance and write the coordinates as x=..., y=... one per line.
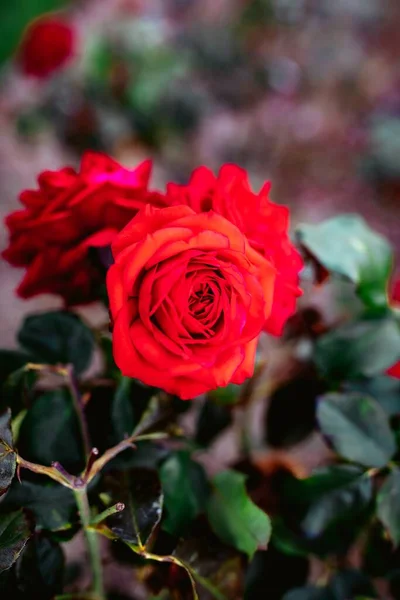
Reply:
x=189, y=297
x=46, y=46
x=70, y=214
x=264, y=224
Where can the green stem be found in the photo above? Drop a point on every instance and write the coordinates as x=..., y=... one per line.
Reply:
x=16, y=424
x=79, y=409
x=116, y=508
x=151, y=436
x=92, y=542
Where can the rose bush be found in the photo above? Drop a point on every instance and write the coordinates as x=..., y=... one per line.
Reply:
x=188, y=299
x=264, y=223
x=70, y=213
x=47, y=45
x=199, y=272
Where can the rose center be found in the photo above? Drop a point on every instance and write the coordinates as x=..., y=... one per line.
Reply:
x=201, y=299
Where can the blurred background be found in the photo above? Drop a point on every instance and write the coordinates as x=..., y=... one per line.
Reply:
x=303, y=92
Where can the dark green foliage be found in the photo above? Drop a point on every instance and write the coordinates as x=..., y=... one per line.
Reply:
x=363, y=348
x=15, y=531
x=140, y=491
x=357, y=427
x=180, y=516
x=40, y=568
x=53, y=505
x=185, y=489
x=234, y=517
x=8, y=459
x=323, y=513
x=53, y=420
x=388, y=505
x=58, y=337
x=346, y=246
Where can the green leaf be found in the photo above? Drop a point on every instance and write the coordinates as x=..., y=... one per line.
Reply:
x=361, y=348
x=388, y=505
x=384, y=389
x=18, y=389
x=234, y=517
x=130, y=404
x=8, y=458
x=38, y=572
x=140, y=491
x=331, y=507
x=58, y=337
x=346, y=246
x=41, y=568
x=122, y=409
x=215, y=566
x=357, y=427
x=50, y=431
x=53, y=505
x=15, y=531
x=335, y=493
x=185, y=490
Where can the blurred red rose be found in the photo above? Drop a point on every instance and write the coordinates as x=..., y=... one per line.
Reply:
x=394, y=370
x=47, y=44
x=70, y=213
x=265, y=224
x=188, y=299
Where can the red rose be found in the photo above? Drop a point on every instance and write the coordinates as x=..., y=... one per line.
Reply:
x=265, y=225
x=394, y=370
x=48, y=43
x=70, y=213
x=188, y=298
